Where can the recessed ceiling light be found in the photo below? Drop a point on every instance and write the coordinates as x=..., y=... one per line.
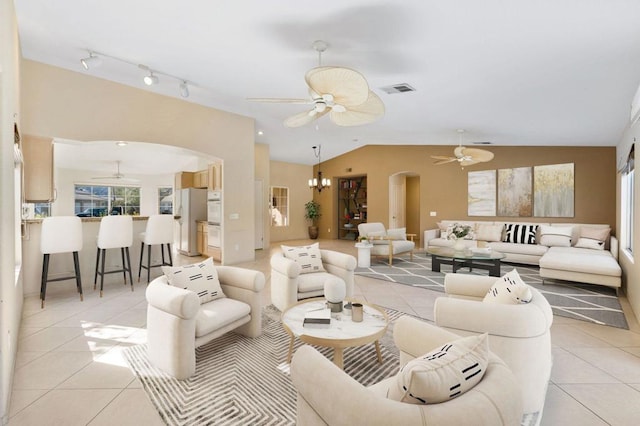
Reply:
x=260, y=132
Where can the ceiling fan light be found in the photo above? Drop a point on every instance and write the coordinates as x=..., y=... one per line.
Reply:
x=184, y=89
x=150, y=79
x=91, y=61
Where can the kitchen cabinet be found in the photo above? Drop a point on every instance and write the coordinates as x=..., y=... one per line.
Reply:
x=215, y=176
x=201, y=179
x=38, y=169
x=183, y=180
x=202, y=242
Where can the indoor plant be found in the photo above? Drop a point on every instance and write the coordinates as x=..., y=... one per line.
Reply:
x=312, y=212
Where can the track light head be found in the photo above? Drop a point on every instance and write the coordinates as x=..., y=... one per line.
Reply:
x=91, y=61
x=150, y=79
x=184, y=89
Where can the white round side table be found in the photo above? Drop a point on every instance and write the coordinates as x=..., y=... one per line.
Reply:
x=364, y=254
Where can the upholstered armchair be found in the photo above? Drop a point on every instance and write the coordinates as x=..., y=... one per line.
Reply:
x=387, y=242
x=519, y=334
x=177, y=323
x=289, y=284
x=328, y=396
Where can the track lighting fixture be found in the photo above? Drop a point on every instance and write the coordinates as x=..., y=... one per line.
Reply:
x=184, y=89
x=150, y=79
x=91, y=61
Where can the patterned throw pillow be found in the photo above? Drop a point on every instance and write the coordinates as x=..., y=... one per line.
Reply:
x=442, y=374
x=201, y=278
x=593, y=238
x=556, y=236
x=509, y=290
x=521, y=234
x=308, y=257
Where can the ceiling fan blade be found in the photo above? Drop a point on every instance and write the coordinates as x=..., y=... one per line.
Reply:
x=471, y=162
x=303, y=118
x=445, y=161
x=478, y=155
x=443, y=157
x=367, y=112
x=348, y=87
x=281, y=100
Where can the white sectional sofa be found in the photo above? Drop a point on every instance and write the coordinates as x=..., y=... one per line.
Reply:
x=557, y=255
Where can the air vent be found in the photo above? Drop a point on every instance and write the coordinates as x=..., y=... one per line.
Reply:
x=398, y=88
x=482, y=143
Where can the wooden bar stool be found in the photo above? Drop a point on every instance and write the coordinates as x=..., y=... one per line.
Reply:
x=115, y=232
x=60, y=234
x=159, y=231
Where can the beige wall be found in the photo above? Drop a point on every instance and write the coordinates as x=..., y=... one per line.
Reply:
x=263, y=167
x=10, y=242
x=443, y=189
x=72, y=105
x=294, y=177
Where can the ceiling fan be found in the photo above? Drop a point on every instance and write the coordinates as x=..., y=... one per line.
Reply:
x=117, y=175
x=341, y=92
x=464, y=156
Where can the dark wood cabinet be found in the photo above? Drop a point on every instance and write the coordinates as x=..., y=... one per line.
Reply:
x=352, y=206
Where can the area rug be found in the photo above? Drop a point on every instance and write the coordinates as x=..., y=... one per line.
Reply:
x=245, y=381
x=586, y=302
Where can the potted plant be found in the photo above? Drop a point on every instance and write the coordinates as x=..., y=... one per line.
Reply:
x=312, y=212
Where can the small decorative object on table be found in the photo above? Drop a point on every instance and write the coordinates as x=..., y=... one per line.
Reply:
x=335, y=292
x=318, y=318
x=457, y=232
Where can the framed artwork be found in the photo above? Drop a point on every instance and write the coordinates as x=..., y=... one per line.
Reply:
x=553, y=190
x=514, y=192
x=481, y=193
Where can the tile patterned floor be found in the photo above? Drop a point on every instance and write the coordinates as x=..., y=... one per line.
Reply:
x=70, y=369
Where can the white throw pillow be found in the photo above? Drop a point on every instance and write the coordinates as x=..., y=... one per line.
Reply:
x=201, y=278
x=378, y=237
x=308, y=257
x=590, y=243
x=488, y=232
x=593, y=238
x=397, y=233
x=442, y=374
x=555, y=236
x=510, y=290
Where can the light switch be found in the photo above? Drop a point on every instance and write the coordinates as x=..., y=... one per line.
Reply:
x=234, y=216
x=432, y=214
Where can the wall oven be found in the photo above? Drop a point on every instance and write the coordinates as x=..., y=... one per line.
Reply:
x=214, y=218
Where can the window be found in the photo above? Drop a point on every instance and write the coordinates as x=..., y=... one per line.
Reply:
x=627, y=202
x=279, y=208
x=41, y=210
x=98, y=200
x=165, y=200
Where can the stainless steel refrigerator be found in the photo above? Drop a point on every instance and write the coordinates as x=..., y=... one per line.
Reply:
x=193, y=207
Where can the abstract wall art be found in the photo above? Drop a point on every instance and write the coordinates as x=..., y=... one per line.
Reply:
x=514, y=192
x=481, y=193
x=553, y=190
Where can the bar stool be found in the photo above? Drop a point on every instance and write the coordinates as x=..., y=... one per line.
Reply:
x=60, y=234
x=159, y=231
x=114, y=232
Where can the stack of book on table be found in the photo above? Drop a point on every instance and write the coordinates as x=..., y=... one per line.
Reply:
x=319, y=318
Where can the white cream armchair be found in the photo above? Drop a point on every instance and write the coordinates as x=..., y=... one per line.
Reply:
x=288, y=285
x=519, y=334
x=177, y=323
x=328, y=396
x=387, y=242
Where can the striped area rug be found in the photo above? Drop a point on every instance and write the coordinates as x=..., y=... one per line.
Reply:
x=245, y=381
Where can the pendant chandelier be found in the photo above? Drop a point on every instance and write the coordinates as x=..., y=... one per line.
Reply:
x=319, y=182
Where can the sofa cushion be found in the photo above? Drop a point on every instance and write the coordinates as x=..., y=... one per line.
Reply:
x=397, y=233
x=398, y=246
x=509, y=289
x=590, y=243
x=442, y=374
x=575, y=259
x=555, y=236
x=308, y=257
x=593, y=238
x=528, y=249
x=489, y=232
x=313, y=282
x=219, y=313
x=201, y=278
x=520, y=234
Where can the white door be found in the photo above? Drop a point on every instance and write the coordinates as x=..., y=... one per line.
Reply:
x=259, y=215
x=397, y=201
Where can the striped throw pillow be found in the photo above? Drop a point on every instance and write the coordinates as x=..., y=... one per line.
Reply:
x=521, y=234
x=201, y=278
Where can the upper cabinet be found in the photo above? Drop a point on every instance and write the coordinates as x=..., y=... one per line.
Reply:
x=183, y=180
x=215, y=177
x=38, y=169
x=201, y=179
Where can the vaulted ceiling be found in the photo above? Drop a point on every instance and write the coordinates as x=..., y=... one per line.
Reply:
x=547, y=72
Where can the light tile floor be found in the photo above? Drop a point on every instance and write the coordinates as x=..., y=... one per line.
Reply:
x=70, y=369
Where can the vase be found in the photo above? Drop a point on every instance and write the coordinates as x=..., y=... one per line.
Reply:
x=459, y=244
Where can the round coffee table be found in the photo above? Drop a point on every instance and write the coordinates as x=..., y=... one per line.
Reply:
x=342, y=332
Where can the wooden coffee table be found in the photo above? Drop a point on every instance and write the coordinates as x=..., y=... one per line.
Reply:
x=459, y=259
x=342, y=333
